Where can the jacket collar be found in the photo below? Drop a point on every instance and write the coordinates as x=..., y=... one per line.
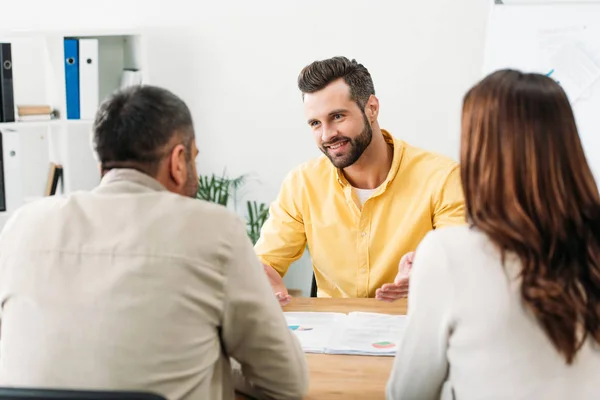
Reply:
x=129, y=175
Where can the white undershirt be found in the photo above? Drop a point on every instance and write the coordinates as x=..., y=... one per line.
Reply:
x=363, y=194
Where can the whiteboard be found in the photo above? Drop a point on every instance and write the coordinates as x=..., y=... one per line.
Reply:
x=521, y=36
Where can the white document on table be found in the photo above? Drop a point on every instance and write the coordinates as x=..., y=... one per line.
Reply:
x=358, y=333
x=313, y=329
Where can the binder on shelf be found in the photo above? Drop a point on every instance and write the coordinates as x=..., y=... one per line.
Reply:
x=7, y=100
x=2, y=194
x=71, y=47
x=88, y=78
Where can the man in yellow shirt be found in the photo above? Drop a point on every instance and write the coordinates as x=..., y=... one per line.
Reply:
x=363, y=205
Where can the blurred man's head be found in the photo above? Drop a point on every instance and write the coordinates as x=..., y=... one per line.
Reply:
x=148, y=129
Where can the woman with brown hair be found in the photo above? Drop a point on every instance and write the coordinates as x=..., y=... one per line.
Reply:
x=508, y=306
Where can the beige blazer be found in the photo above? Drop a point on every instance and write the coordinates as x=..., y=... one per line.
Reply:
x=130, y=286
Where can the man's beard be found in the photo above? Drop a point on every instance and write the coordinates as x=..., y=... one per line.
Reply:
x=356, y=147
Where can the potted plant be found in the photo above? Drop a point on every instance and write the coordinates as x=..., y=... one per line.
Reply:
x=223, y=190
x=219, y=189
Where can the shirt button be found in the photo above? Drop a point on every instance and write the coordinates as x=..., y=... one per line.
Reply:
x=363, y=270
x=363, y=234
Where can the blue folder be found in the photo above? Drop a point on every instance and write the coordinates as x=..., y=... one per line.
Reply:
x=72, y=77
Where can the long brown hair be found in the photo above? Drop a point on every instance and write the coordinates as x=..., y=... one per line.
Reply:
x=529, y=188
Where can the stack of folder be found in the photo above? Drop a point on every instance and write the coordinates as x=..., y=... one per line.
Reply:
x=54, y=176
x=81, y=77
x=81, y=83
x=35, y=113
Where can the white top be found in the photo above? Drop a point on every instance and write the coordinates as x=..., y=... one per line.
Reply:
x=468, y=336
x=363, y=194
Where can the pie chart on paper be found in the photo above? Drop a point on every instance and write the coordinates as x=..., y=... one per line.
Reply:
x=383, y=345
x=299, y=328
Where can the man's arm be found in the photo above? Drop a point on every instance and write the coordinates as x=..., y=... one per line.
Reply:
x=399, y=288
x=449, y=203
x=282, y=238
x=255, y=332
x=277, y=285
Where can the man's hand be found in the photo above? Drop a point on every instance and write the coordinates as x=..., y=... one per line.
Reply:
x=278, y=286
x=399, y=289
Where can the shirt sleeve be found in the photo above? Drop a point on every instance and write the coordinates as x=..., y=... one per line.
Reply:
x=283, y=237
x=254, y=329
x=449, y=203
x=421, y=367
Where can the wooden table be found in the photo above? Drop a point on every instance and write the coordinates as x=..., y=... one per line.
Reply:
x=346, y=376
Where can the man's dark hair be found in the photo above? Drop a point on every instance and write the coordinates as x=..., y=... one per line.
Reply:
x=134, y=125
x=319, y=74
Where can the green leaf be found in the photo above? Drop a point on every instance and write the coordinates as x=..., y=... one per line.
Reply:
x=257, y=215
x=219, y=189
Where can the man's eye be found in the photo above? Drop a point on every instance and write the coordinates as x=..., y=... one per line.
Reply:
x=314, y=123
x=337, y=116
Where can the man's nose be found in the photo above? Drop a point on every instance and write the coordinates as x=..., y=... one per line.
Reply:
x=329, y=133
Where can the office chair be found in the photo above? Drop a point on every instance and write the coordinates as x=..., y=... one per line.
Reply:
x=313, y=287
x=65, y=394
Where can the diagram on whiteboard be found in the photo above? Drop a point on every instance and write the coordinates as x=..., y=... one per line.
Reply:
x=560, y=41
x=570, y=61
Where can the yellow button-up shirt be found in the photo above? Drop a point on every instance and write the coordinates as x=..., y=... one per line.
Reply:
x=356, y=250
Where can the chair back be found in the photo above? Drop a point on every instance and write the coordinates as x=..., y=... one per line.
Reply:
x=64, y=394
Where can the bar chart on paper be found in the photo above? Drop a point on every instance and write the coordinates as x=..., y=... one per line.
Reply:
x=561, y=41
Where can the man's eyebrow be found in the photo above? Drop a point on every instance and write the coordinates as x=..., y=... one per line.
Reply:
x=338, y=111
x=334, y=112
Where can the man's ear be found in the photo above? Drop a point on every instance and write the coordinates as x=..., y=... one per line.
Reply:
x=178, y=165
x=372, y=108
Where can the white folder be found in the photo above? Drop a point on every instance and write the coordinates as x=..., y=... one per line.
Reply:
x=26, y=156
x=88, y=78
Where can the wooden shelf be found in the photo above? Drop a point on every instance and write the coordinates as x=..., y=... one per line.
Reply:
x=39, y=79
x=54, y=122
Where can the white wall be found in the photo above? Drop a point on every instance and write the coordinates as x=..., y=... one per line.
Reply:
x=236, y=64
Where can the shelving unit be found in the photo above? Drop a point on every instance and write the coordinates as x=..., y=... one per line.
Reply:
x=39, y=79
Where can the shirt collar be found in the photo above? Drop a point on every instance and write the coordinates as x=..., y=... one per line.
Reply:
x=130, y=175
